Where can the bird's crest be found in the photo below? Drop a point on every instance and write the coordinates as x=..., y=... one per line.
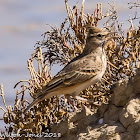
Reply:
x=91, y=29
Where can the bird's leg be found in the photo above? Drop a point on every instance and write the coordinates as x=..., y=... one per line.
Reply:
x=80, y=98
x=74, y=94
x=71, y=102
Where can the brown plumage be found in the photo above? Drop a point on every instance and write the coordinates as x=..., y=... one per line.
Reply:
x=81, y=72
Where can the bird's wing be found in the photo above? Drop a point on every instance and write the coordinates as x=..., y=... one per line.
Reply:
x=75, y=72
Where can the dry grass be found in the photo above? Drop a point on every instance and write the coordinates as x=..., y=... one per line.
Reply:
x=60, y=45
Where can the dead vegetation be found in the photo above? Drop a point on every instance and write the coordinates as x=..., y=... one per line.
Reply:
x=59, y=46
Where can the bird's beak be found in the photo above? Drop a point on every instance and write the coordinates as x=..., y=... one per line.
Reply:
x=111, y=35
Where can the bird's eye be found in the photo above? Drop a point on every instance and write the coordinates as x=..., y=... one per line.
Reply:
x=99, y=35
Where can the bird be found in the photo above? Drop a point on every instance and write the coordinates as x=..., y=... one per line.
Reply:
x=81, y=72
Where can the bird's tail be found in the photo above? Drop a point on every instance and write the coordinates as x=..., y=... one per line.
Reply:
x=38, y=99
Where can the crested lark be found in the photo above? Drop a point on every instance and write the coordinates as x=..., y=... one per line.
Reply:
x=81, y=72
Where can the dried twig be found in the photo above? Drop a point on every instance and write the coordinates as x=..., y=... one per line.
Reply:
x=2, y=94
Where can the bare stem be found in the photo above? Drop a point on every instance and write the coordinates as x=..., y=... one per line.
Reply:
x=2, y=94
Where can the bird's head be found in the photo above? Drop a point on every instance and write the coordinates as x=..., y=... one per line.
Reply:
x=96, y=35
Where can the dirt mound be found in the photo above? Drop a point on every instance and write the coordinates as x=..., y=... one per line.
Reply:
x=120, y=119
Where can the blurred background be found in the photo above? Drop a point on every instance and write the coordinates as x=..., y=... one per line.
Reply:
x=21, y=25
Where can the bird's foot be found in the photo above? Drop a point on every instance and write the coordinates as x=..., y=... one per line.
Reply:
x=71, y=102
x=81, y=99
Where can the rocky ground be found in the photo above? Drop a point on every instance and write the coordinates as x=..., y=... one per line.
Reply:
x=119, y=120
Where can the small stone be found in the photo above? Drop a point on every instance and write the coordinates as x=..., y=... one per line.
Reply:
x=100, y=121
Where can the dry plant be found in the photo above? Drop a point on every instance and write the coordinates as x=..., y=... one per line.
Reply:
x=60, y=45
